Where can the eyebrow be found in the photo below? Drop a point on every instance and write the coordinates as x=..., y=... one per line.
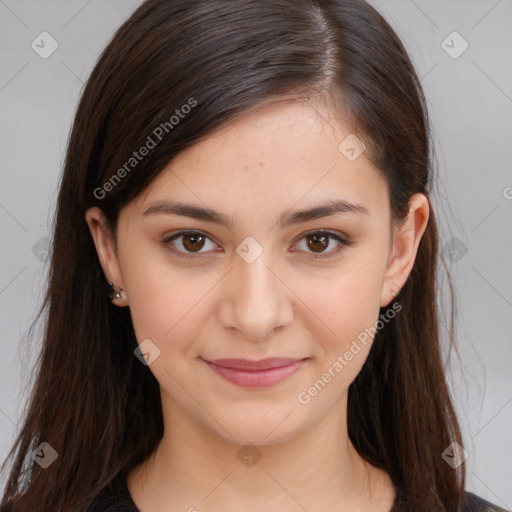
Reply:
x=287, y=218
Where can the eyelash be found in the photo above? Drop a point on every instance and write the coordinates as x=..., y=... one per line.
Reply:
x=343, y=243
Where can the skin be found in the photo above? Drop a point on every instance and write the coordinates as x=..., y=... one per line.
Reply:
x=281, y=156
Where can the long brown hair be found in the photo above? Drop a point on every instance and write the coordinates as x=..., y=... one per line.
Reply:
x=92, y=401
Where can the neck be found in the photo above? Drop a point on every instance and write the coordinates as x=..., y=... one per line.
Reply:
x=318, y=468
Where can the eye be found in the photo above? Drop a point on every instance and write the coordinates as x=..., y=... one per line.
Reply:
x=193, y=242
x=319, y=241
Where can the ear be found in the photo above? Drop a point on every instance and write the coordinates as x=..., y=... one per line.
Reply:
x=106, y=248
x=406, y=241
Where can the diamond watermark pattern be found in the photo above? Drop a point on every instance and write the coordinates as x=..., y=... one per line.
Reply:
x=454, y=45
x=249, y=455
x=44, y=45
x=44, y=455
x=351, y=147
x=454, y=455
x=249, y=249
x=40, y=249
x=455, y=249
x=147, y=351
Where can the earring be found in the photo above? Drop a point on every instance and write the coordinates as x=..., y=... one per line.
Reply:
x=393, y=293
x=114, y=292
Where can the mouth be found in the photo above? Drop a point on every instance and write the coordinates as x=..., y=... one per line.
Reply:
x=255, y=374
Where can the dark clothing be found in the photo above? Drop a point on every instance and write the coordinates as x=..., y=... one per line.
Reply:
x=116, y=498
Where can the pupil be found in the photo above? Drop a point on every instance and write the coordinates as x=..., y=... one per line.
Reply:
x=316, y=238
x=193, y=246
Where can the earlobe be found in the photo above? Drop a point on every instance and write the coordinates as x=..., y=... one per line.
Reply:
x=405, y=247
x=107, y=255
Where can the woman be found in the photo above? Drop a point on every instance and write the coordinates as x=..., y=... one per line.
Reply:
x=252, y=181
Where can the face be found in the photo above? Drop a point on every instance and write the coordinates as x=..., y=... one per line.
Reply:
x=259, y=279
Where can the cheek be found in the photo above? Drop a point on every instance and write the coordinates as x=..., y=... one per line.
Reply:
x=343, y=316
x=345, y=302
x=167, y=303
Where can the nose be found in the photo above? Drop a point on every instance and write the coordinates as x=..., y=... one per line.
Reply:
x=256, y=301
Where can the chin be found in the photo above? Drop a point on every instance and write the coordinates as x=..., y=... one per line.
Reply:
x=257, y=428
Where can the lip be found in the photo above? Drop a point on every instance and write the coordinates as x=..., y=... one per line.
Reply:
x=255, y=374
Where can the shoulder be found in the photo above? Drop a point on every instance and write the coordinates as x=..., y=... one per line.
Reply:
x=470, y=503
x=112, y=504
x=476, y=504
x=110, y=499
x=114, y=497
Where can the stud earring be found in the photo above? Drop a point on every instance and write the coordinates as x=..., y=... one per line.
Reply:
x=114, y=292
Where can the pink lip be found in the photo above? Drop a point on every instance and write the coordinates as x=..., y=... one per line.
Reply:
x=255, y=374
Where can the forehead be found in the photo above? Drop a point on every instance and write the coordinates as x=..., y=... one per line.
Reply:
x=274, y=156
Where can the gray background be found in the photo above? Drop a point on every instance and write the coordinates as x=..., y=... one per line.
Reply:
x=470, y=101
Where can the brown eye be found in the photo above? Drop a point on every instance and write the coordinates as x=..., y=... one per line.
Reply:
x=317, y=242
x=192, y=242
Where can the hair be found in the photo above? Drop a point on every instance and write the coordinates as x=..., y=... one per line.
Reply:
x=92, y=400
